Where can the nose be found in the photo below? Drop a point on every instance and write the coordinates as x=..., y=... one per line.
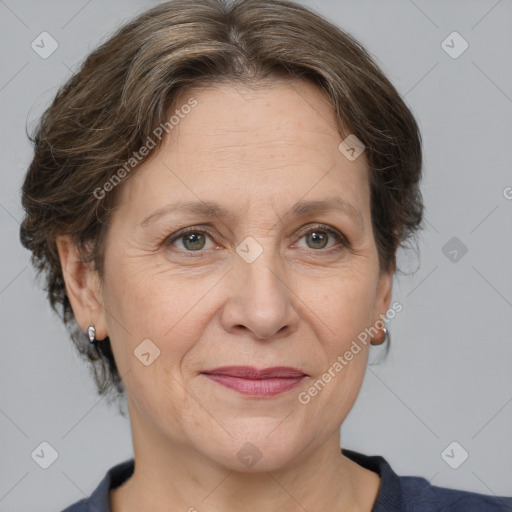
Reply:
x=260, y=300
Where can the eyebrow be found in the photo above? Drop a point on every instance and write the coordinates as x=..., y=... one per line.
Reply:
x=212, y=209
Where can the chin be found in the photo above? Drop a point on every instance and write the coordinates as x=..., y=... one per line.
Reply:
x=254, y=450
x=251, y=459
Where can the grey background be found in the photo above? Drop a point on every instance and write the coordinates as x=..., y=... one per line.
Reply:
x=448, y=376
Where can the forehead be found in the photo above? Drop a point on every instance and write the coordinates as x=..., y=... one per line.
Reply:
x=291, y=114
x=276, y=141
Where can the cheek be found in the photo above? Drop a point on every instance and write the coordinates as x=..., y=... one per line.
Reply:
x=153, y=306
x=343, y=304
x=341, y=315
x=145, y=303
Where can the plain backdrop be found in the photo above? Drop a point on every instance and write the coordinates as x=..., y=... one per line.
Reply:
x=448, y=376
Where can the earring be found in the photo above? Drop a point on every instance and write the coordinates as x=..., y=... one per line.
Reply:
x=380, y=341
x=91, y=333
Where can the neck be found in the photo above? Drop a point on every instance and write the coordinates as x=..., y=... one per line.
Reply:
x=173, y=477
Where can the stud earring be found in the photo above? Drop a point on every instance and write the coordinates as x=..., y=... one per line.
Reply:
x=380, y=341
x=91, y=333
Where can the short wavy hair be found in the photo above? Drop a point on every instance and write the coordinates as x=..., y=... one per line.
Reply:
x=125, y=88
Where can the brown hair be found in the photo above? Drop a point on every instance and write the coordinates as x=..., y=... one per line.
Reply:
x=125, y=88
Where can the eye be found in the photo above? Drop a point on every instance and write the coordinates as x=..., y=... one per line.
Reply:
x=318, y=237
x=191, y=240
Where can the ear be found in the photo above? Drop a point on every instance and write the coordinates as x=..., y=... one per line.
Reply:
x=383, y=296
x=83, y=288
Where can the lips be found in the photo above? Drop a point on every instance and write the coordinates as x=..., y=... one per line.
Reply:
x=249, y=372
x=251, y=381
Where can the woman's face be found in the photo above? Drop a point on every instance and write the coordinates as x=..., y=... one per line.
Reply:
x=271, y=279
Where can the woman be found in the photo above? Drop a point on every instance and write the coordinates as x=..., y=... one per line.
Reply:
x=216, y=199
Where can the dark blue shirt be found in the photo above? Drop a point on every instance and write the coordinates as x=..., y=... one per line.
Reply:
x=396, y=493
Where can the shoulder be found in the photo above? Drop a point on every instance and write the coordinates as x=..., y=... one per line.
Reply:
x=79, y=506
x=99, y=501
x=419, y=495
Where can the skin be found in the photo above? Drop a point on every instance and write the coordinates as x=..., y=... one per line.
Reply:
x=256, y=152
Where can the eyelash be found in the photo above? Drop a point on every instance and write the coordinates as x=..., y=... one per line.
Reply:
x=319, y=227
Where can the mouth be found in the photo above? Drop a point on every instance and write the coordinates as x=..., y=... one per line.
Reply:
x=250, y=381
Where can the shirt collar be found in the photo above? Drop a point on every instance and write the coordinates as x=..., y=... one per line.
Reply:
x=389, y=496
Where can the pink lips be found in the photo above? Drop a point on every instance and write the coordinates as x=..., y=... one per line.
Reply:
x=251, y=381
